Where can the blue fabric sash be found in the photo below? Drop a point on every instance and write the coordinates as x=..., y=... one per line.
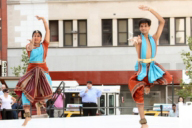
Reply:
x=154, y=71
x=36, y=55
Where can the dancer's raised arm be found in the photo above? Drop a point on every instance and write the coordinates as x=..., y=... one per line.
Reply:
x=157, y=35
x=47, y=31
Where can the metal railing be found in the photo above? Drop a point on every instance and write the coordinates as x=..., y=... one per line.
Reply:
x=61, y=86
x=80, y=109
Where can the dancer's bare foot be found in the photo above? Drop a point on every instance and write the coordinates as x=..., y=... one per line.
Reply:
x=27, y=119
x=27, y=116
x=144, y=126
x=147, y=90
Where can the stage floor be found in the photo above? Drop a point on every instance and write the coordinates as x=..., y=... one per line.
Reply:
x=119, y=121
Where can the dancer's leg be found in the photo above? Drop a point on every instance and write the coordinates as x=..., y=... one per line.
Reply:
x=142, y=116
x=27, y=116
x=26, y=107
x=38, y=106
x=139, y=94
x=137, y=89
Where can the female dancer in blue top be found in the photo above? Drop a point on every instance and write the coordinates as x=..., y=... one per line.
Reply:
x=34, y=86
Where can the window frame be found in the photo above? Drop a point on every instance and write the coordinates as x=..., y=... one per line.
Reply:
x=51, y=30
x=181, y=31
x=134, y=25
x=64, y=43
x=127, y=43
x=169, y=39
x=106, y=32
x=81, y=33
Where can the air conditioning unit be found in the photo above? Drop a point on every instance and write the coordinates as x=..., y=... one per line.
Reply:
x=4, y=68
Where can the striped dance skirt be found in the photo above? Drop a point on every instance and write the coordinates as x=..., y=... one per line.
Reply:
x=34, y=85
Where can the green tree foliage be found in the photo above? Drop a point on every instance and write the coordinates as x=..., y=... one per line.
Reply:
x=186, y=88
x=21, y=69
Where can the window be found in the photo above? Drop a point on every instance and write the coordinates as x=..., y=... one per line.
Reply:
x=107, y=35
x=82, y=32
x=122, y=32
x=191, y=27
x=180, y=31
x=164, y=39
x=68, y=35
x=136, y=30
x=53, y=25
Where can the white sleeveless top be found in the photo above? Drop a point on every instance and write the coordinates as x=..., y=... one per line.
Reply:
x=6, y=102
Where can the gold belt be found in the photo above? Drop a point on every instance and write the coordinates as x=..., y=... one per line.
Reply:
x=146, y=60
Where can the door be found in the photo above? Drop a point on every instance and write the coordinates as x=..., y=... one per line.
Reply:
x=108, y=100
x=111, y=103
x=102, y=103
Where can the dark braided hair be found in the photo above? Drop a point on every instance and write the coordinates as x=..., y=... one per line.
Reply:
x=37, y=31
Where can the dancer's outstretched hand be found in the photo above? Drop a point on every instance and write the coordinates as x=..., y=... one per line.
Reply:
x=39, y=18
x=136, y=40
x=31, y=40
x=31, y=44
x=139, y=39
x=144, y=8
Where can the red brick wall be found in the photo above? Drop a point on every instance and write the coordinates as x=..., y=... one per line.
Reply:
x=103, y=77
x=3, y=16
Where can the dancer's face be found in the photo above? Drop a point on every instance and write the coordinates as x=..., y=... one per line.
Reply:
x=144, y=28
x=37, y=38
